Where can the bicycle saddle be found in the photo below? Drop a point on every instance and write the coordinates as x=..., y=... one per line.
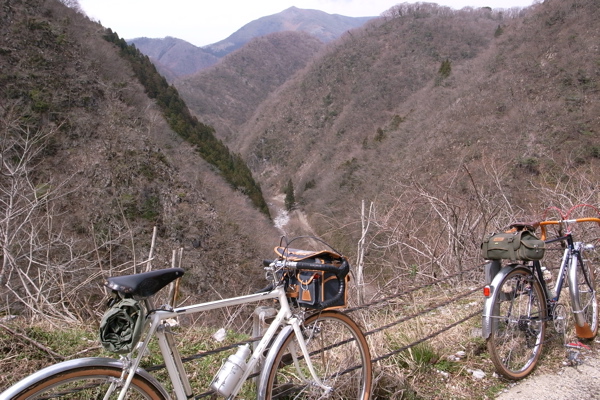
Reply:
x=145, y=284
x=529, y=226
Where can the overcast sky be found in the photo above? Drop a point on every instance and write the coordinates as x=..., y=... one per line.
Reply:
x=203, y=22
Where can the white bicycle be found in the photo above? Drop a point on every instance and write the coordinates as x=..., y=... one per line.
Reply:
x=303, y=354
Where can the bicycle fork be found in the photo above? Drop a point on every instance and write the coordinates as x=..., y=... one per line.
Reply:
x=306, y=355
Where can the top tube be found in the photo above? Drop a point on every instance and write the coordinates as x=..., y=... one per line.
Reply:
x=543, y=224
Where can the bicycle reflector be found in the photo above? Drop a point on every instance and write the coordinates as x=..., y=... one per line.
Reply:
x=487, y=290
x=121, y=326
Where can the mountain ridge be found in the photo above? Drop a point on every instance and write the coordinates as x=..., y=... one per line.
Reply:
x=225, y=96
x=325, y=27
x=177, y=58
x=174, y=57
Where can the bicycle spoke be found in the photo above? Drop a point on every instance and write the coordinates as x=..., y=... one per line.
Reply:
x=338, y=354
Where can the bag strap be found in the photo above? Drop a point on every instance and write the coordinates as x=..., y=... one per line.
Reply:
x=511, y=249
x=308, y=281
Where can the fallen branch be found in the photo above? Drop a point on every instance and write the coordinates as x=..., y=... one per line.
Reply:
x=32, y=342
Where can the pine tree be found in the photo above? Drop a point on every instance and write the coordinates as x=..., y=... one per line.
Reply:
x=290, y=200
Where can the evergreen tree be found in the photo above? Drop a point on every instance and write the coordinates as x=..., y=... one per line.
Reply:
x=290, y=200
x=445, y=68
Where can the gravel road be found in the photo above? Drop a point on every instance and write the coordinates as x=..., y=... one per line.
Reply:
x=581, y=381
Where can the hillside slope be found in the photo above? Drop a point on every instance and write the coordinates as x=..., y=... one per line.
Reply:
x=226, y=95
x=117, y=168
x=335, y=124
x=174, y=57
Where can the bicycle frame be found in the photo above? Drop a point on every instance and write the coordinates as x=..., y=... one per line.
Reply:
x=564, y=267
x=156, y=326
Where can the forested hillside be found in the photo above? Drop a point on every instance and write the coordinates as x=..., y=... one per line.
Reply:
x=91, y=164
x=227, y=95
x=175, y=111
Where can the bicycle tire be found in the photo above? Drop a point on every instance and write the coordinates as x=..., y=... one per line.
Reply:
x=81, y=382
x=519, y=323
x=583, y=299
x=339, y=353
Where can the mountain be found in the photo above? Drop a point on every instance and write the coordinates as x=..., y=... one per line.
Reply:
x=225, y=96
x=323, y=26
x=174, y=57
x=351, y=121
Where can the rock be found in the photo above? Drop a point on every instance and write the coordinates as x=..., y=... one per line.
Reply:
x=477, y=373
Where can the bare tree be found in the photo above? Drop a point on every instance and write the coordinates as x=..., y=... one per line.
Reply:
x=36, y=252
x=74, y=4
x=431, y=231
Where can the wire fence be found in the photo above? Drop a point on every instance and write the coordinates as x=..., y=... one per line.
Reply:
x=387, y=301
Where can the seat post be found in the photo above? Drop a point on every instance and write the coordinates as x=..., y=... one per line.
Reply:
x=149, y=303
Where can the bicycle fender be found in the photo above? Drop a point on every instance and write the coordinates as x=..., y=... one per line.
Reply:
x=486, y=318
x=72, y=364
x=270, y=359
x=582, y=328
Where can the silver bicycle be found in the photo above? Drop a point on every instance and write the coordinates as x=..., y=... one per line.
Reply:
x=303, y=354
x=519, y=304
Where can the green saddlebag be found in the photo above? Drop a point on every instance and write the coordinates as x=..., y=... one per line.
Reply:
x=121, y=326
x=522, y=245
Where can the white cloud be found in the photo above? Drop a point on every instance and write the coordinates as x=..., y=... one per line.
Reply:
x=203, y=22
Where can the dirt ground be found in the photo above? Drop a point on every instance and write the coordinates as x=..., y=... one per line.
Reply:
x=581, y=380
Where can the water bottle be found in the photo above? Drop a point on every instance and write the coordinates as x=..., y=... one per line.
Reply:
x=231, y=372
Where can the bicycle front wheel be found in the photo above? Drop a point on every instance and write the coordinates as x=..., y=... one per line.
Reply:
x=91, y=380
x=583, y=298
x=518, y=324
x=339, y=354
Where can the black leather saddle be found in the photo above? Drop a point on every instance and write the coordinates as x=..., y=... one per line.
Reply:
x=144, y=284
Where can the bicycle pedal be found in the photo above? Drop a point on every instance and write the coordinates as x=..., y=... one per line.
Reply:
x=577, y=345
x=572, y=359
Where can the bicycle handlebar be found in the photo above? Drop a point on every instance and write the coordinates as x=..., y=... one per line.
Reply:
x=542, y=224
x=340, y=273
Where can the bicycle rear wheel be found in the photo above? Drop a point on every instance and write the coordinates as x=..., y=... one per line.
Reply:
x=87, y=381
x=518, y=324
x=339, y=353
x=583, y=298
